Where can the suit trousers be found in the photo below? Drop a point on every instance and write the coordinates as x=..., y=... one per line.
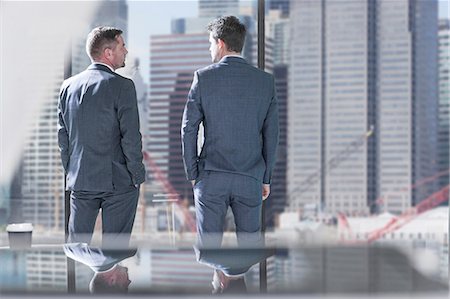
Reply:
x=214, y=192
x=118, y=213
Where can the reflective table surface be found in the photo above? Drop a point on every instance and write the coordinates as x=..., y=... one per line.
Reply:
x=310, y=270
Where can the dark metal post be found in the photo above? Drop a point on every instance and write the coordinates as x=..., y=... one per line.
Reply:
x=70, y=262
x=261, y=65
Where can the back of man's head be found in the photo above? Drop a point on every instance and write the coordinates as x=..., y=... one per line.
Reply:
x=112, y=281
x=230, y=30
x=101, y=38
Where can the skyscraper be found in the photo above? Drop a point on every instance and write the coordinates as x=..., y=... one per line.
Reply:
x=173, y=60
x=282, y=5
x=216, y=8
x=278, y=29
x=277, y=62
x=178, y=269
x=13, y=275
x=407, y=99
x=444, y=100
x=329, y=100
x=43, y=178
x=362, y=97
x=276, y=202
x=4, y=203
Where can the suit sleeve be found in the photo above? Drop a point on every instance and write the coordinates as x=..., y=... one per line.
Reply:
x=131, y=139
x=270, y=137
x=192, y=117
x=63, y=136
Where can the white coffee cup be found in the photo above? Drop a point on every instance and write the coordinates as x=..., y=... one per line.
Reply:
x=19, y=235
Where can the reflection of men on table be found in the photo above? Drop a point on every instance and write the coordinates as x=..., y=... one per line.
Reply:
x=100, y=142
x=237, y=105
x=109, y=276
x=231, y=264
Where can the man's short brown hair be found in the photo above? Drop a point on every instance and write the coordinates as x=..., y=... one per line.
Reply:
x=101, y=38
x=230, y=30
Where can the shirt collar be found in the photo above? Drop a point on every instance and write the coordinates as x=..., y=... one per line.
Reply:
x=108, y=270
x=239, y=56
x=108, y=66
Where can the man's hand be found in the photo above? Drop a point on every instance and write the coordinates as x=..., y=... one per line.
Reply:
x=265, y=191
x=193, y=183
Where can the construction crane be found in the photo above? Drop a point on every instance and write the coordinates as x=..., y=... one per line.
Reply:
x=395, y=223
x=419, y=183
x=333, y=163
x=170, y=190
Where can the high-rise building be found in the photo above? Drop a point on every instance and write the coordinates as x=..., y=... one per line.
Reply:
x=4, y=203
x=173, y=60
x=329, y=100
x=348, y=99
x=178, y=270
x=407, y=99
x=282, y=5
x=276, y=202
x=15, y=197
x=216, y=8
x=362, y=104
x=11, y=199
x=13, y=274
x=305, y=102
x=46, y=271
x=278, y=29
x=43, y=178
x=444, y=100
x=277, y=62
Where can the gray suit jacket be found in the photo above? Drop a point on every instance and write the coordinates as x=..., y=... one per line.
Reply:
x=238, y=107
x=98, y=132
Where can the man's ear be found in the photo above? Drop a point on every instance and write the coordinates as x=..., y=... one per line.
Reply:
x=221, y=44
x=112, y=280
x=107, y=52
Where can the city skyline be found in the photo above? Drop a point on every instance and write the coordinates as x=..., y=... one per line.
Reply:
x=141, y=25
x=373, y=68
x=39, y=158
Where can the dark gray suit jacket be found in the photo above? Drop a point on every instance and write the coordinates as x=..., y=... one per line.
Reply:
x=98, y=132
x=238, y=107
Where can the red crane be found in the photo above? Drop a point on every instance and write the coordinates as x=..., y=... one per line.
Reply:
x=168, y=188
x=395, y=223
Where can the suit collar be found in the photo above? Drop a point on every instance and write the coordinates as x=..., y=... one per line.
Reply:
x=100, y=67
x=233, y=59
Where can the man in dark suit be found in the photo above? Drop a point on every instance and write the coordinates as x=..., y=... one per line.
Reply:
x=237, y=105
x=100, y=142
x=109, y=277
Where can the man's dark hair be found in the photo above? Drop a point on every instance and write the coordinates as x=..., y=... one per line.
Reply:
x=230, y=30
x=101, y=38
x=99, y=285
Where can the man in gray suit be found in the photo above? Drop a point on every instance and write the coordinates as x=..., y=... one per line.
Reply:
x=110, y=276
x=237, y=105
x=100, y=142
